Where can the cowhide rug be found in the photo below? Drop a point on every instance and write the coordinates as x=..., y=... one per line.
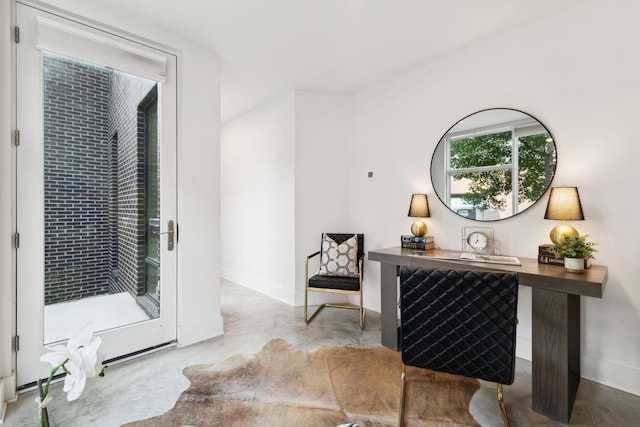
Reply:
x=281, y=386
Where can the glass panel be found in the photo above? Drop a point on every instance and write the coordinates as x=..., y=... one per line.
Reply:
x=536, y=167
x=482, y=195
x=101, y=173
x=483, y=150
x=152, y=201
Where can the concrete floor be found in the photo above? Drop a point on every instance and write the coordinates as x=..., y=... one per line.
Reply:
x=150, y=385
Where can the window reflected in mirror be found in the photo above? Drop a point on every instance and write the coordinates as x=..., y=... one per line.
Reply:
x=493, y=164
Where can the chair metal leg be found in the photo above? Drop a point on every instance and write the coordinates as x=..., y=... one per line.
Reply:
x=310, y=318
x=402, y=386
x=505, y=417
x=361, y=305
x=322, y=306
x=306, y=300
x=361, y=310
x=306, y=289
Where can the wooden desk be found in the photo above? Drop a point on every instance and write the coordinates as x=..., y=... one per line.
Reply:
x=555, y=316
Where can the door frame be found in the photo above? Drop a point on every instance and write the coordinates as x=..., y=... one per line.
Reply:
x=199, y=69
x=167, y=323
x=7, y=207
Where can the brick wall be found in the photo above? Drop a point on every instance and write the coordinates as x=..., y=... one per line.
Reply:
x=75, y=134
x=127, y=94
x=94, y=180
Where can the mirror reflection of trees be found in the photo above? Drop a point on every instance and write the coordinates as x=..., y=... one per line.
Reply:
x=493, y=164
x=491, y=189
x=537, y=165
x=486, y=189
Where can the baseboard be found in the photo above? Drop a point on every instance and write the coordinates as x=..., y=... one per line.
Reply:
x=3, y=402
x=523, y=347
x=372, y=302
x=611, y=374
x=621, y=377
x=259, y=285
x=191, y=334
x=8, y=393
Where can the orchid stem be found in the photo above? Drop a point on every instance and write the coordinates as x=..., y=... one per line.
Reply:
x=53, y=372
x=45, y=391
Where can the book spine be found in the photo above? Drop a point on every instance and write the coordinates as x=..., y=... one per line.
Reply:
x=544, y=250
x=545, y=259
x=416, y=245
x=414, y=239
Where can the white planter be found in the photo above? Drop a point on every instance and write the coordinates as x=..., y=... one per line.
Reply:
x=576, y=265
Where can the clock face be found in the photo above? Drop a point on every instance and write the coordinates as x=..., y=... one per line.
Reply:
x=477, y=240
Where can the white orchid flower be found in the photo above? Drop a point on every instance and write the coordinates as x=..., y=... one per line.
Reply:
x=79, y=359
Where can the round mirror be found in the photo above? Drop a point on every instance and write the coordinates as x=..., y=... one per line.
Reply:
x=493, y=164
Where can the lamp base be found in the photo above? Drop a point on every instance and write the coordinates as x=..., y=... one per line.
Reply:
x=418, y=228
x=559, y=233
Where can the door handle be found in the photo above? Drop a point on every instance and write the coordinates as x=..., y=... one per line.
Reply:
x=170, y=233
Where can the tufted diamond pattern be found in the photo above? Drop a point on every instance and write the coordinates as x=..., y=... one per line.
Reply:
x=460, y=322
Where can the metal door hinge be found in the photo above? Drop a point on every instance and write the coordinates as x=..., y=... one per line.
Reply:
x=16, y=34
x=16, y=342
x=16, y=139
x=16, y=240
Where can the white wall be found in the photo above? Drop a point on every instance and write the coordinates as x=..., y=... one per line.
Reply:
x=257, y=199
x=323, y=135
x=198, y=178
x=578, y=74
x=284, y=181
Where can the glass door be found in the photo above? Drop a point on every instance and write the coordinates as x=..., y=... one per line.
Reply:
x=96, y=189
x=152, y=205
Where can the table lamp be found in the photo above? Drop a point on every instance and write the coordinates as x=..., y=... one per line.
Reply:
x=564, y=204
x=419, y=208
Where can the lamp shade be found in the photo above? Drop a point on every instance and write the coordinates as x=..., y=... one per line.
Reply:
x=564, y=204
x=419, y=206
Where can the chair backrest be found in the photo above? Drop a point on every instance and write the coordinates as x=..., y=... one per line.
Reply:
x=341, y=237
x=460, y=322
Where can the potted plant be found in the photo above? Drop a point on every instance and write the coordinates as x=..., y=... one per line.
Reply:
x=576, y=251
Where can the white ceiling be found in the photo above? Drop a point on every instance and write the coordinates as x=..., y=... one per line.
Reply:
x=270, y=46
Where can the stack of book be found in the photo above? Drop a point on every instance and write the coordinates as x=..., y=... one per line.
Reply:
x=546, y=257
x=413, y=242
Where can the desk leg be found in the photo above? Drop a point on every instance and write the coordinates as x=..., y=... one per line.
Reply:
x=556, y=352
x=389, y=305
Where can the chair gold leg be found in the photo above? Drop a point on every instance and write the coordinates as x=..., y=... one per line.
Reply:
x=310, y=318
x=321, y=307
x=306, y=288
x=306, y=301
x=402, y=386
x=505, y=417
x=361, y=311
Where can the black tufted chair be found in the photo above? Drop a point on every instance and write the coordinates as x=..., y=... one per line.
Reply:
x=351, y=285
x=459, y=322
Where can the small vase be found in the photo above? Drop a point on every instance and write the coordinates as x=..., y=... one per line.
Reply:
x=575, y=265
